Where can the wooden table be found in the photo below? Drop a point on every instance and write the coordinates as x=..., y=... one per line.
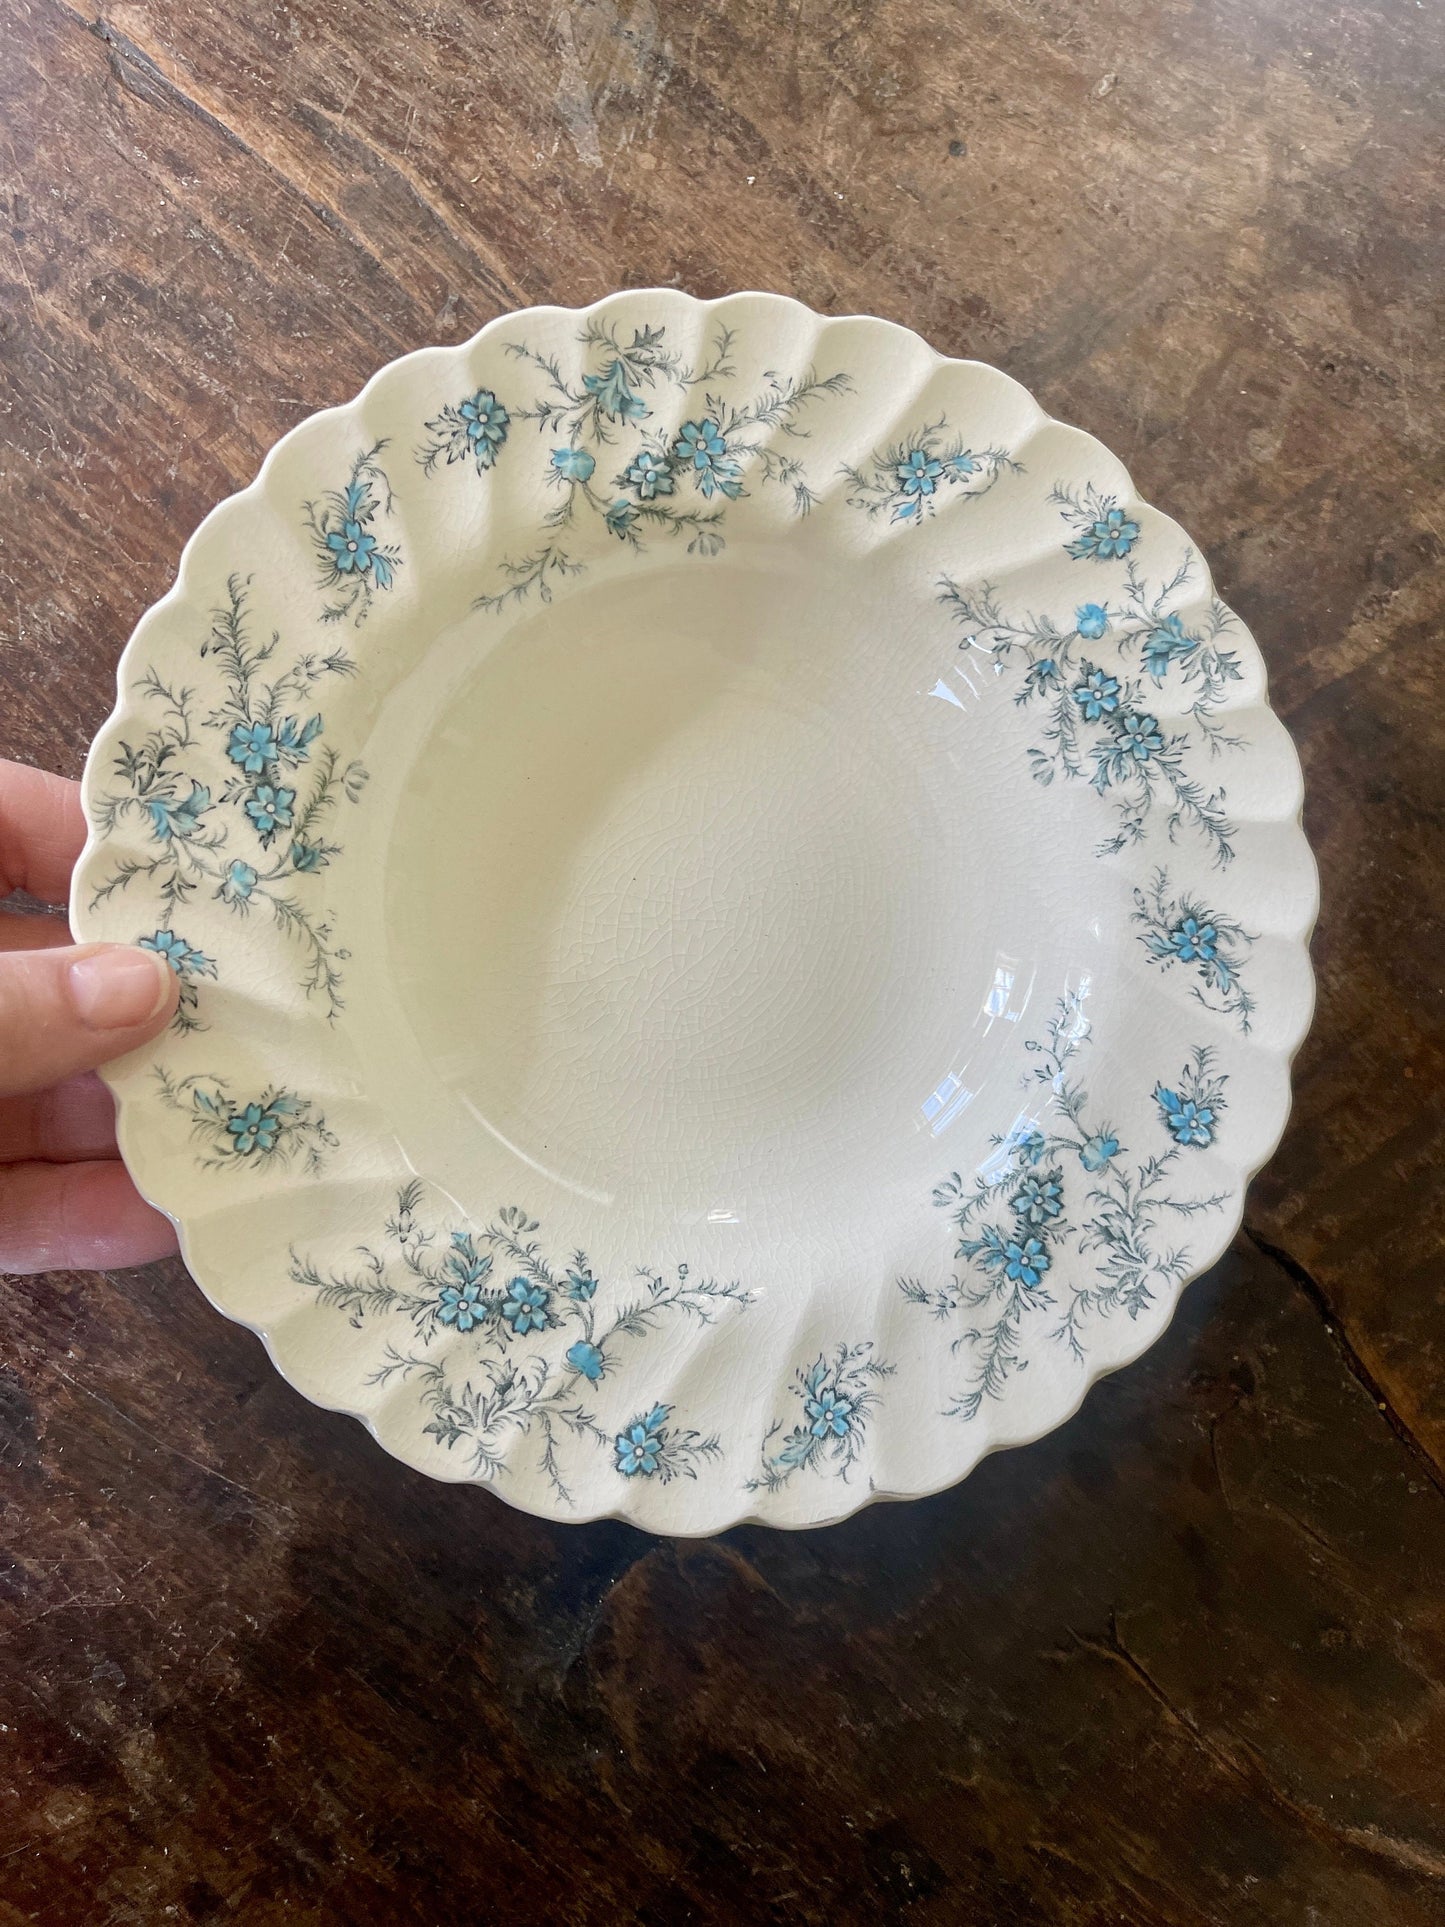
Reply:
x=1182, y=1662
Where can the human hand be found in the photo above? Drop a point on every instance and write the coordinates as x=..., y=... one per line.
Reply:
x=66, y=1201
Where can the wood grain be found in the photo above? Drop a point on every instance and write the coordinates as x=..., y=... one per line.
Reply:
x=1183, y=1662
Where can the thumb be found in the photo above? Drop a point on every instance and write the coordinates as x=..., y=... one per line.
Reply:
x=67, y=1010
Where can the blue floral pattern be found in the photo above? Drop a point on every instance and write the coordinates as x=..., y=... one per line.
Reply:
x=1183, y=930
x=276, y=791
x=189, y=965
x=672, y=481
x=548, y=1336
x=1027, y=1206
x=1097, y=726
x=473, y=430
x=839, y=1395
x=275, y=1127
x=353, y=562
x=907, y=480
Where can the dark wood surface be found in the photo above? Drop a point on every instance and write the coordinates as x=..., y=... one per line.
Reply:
x=1182, y=1662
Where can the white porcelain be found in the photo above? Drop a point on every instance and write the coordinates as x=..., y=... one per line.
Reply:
x=742, y=913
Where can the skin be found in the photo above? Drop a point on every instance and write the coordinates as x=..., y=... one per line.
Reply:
x=66, y=1201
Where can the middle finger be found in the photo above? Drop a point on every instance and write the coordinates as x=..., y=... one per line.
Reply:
x=70, y=1121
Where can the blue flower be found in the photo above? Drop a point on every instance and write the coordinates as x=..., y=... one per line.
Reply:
x=1044, y=674
x=486, y=421
x=306, y=857
x=573, y=464
x=1025, y=1262
x=1191, y=940
x=581, y=1284
x=351, y=549
x=586, y=1359
x=253, y=746
x=1138, y=735
x=918, y=473
x=1190, y=1121
x=1039, y=1198
x=615, y=397
x=1030, y=1145
x=639, y=1448
x=701, y=447
x=650, y=475
x=1164, y=642
x=462, y=1306
x=1096, y=1151
x=831, y=1414
x=525, y=1307
x=253, y=1129
x=1091, y=619
x=1097, y=695
x=961, y=466
x=238, y=883
x=620, y=518
x=1110, y=534
x=170, y=819
x=178, y=954
x=269, y=808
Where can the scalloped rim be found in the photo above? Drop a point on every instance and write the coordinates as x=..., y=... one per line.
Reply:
x=129, y=1109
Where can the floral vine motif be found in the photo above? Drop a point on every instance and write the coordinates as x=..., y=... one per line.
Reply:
x=1184, y=930
x=473, y=430
x=665, y=482
x=255, y=841
x=1097, y=725
x=838, y=1395
x=1105, y=532
x=189, y=965
x=550, y=1334
x=1059, y=1182
x=276, y=1127
x=353, y=564
x=905, y=480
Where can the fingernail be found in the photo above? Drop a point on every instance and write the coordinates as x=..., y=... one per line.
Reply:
x=117, y=989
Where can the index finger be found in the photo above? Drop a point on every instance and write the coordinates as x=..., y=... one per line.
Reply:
x=42, y=832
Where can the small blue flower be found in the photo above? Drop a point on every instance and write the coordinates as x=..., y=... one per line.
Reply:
x=1038, y=1198
x=615, y=397
x=238, y=883
x=1111, y=534
x=701, y=447
x=1138, y=735
x=253, y=1129
x=462, y=1306
x=650, y=475
x=269, y=808
x=1190, y=1121
x=351, y=549
x=525, y=1307
x=620, y=517
x=253, y=746
x=918, y=473
x=581, y=1285
x=573, y=464
x=1097, y=694
x=1030, y=1145
x=486, y=421
x=1192, y=940
x=831, y=1414
x=1091, y=619
x=1044, y=674
x=586, y=1359
x=170, y=819
x=640, y=1447
x=961, y=466
x=1096, y=1151
x=1164, y=643
x=185, y=961
x=1025, y=1262
x=307, y=857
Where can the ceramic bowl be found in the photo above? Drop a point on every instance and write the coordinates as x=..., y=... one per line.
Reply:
x=741, y=912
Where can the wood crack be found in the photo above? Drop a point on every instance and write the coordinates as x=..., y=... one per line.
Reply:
x=1356, y=1366
x=1408, y=1854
